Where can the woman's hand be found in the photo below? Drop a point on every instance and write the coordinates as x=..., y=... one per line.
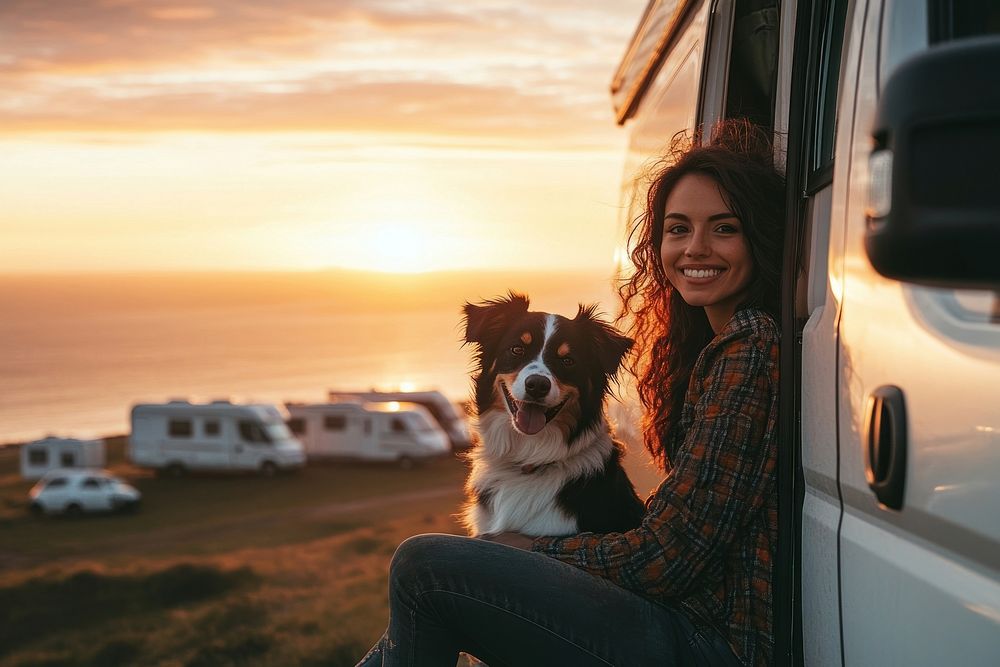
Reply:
x=516, y=540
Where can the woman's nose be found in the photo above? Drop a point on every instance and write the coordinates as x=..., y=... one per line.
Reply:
x=697, y=246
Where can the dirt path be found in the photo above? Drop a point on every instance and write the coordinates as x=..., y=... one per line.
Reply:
x=166, y=540
x=340, y=508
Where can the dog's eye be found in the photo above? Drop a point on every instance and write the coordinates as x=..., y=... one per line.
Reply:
x=517, y=350
x=568, y=361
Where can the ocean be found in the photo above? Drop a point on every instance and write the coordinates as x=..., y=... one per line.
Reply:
x=77, y=351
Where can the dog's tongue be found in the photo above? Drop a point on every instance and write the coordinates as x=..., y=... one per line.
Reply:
x=530, y=418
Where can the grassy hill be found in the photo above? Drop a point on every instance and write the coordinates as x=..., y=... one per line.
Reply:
x=214, y=570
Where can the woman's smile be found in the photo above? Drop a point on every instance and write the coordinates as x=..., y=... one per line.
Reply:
x=701, y=275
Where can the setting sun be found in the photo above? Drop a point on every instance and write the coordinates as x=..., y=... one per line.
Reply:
x=396, y=248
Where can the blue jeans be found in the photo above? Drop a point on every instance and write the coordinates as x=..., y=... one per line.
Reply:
x=509, y=607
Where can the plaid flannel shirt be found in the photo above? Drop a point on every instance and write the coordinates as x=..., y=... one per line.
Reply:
x=707, y=542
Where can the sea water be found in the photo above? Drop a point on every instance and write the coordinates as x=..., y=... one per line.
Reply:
x=77, y=351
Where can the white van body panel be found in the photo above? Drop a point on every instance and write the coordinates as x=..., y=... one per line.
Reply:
x=223, y=436
x=369, y=431
x=51, y=453
x=443, y=411
x=932, y=568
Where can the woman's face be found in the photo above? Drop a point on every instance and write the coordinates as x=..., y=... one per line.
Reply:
x=704, y=252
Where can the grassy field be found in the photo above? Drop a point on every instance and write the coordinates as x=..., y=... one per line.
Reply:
x=214, y=570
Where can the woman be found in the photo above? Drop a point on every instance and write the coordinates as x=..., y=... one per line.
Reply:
x=692, y=584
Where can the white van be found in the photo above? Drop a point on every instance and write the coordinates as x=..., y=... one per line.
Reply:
x=386, y=431
x=889, y=111
x=442, y=410
x=51, y=453
x=179, y=436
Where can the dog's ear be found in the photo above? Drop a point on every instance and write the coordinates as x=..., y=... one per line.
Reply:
x=488, y=319
x=610, y=346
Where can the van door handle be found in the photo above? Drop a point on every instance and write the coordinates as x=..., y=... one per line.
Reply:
x=885, y=431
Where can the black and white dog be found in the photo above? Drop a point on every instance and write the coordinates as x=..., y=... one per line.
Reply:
x=547, y=463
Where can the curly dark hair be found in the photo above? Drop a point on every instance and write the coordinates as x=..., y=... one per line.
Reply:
x=670, y=334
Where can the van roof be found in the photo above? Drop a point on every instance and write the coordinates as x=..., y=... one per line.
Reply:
x=359, y=406
x=657, y=29
x=429, y=395
x=394, y=406
x=53, y=440
x=215, y=407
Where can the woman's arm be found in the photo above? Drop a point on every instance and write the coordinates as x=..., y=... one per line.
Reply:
x=721, y=477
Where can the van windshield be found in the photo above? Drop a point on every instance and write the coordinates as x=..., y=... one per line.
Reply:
x=278, y=431
x=418, y=422
x=444, y=413
x=252, y=431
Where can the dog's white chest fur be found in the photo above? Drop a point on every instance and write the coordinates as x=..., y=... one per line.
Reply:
x=524, y=503
x=512, y=500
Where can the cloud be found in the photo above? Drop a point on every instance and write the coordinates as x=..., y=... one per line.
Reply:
x=498, y=68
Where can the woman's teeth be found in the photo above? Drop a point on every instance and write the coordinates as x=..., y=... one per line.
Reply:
x=701, y=273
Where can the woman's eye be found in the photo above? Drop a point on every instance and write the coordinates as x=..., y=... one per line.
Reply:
x=677, y=229
x=727, y=229
x=517, y=350
x=568, y=361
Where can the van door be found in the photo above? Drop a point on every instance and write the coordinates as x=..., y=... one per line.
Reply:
x=919, y=376
x=821, y=65
x=251, y=446
x=341, y=434
x=397, y=438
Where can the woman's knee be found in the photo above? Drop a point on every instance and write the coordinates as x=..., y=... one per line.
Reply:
x=422, y=557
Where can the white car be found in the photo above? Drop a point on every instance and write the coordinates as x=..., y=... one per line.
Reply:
x=74, y=492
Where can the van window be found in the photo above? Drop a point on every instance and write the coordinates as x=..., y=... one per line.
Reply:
x=212, y=427
x=56, y=483
x=335, y=422
x=67, y=460
x=179, y=428
x=397, y=425
x=961, y=19
x=38, y=456
x=297, y=425
x=753, y=62
x=829, y=20
x=253, y=432
x=91, y=483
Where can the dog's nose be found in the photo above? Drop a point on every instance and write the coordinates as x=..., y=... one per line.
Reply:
x=537, y=386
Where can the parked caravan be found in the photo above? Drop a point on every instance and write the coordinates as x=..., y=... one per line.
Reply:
x=442, y=410
x=385, y=431
x=51, y=453
x=887, y=118
x=179, y=436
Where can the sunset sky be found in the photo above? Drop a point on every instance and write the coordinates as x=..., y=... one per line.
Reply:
x=393, y=135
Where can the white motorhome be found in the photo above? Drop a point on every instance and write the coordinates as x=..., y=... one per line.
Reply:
x=51, y=453
x=442, y=410
x=887, y=114
x=179, y=436
x=384, y=431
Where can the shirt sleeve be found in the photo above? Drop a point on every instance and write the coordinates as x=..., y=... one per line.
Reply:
x=721, y=477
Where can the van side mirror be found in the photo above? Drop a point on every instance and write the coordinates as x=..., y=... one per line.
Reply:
x=934, y=196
